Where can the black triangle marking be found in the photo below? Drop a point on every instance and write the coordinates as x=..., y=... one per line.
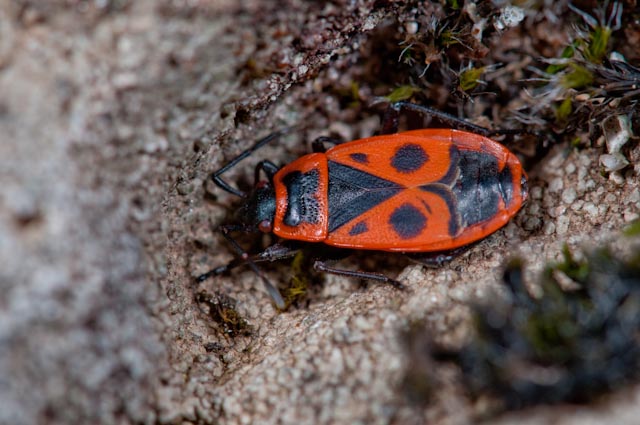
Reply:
x=353, y=192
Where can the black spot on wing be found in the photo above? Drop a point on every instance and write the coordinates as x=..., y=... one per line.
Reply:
x=362, y=158
x=407, y=221
x=477, y=188
x=409, y=158
x=359, y=228
x=353, y=192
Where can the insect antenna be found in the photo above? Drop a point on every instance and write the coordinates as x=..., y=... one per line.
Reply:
x=260, y=143
x=272, y=290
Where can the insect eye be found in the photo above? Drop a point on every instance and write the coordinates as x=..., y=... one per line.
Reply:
x=265, y=226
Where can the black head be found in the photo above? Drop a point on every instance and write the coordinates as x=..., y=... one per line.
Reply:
x=259, y=208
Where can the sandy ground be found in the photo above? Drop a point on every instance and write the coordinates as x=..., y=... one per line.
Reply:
x=113, y=114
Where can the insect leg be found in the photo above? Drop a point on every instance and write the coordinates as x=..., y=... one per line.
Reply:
x=269, y=168
x=260, y=143
x=244, y=256
x=318, y=145
x=438, y=259
x=273, y=252
x=390, y=120
x=321, y=266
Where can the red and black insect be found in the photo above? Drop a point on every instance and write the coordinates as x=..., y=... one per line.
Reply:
x=420, y=191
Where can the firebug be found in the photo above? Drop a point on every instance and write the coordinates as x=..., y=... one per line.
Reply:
x=427, y=193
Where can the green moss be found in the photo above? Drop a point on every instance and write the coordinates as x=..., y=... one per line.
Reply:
x=597, y=46
x=567, y=345
x=567, y=53
x=470, y=78
x=298, y=284
x=448, y=38
x=578, y=77
x=551, y=335
x=453, y=4
x=574, y=269
x=633, y=229
x=402, y=93
x=563, y=110
x=575, y=142
x=349, y=96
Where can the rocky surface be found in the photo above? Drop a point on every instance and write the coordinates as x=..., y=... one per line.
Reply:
x=112, y=115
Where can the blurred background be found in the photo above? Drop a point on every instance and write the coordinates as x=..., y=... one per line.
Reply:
x=113, y=113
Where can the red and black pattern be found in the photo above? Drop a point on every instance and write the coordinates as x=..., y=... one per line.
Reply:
x=425, y=190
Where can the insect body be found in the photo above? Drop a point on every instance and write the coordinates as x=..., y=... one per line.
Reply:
x=419, y=191
x=416, y=191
